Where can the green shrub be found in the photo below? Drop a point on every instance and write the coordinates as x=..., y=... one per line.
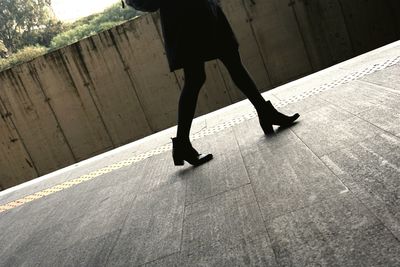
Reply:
x=23, y=55
x=93, y=24
x=72, y=35
x=41, y=36
x=115, y=13
x=108, y=25
x=3, y=50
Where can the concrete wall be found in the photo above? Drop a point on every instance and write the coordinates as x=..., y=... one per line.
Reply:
x=115, y=87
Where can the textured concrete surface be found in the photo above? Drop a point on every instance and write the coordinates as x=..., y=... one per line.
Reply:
x=115, y=87
x=324, y=192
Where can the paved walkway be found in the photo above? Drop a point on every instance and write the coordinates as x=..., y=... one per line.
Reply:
x=325, y=192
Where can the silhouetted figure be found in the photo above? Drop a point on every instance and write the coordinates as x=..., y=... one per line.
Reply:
x=196, y=31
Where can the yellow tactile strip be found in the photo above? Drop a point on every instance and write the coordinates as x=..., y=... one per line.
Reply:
x=84, y=178
x=207, y=131
x=345, y=79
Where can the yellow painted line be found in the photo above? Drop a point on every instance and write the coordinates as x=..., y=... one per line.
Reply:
x=84, y=178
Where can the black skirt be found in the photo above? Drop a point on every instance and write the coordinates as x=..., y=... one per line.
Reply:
x=194, y=31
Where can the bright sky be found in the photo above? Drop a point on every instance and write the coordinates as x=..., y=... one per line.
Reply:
x=70, y=10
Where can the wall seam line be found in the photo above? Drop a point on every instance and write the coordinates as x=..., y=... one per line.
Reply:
x=20, y=138
x=91, y=95
x=52, y=110
x=131, y=80
x=257, y=42
x=303, y=39
x=347, y=27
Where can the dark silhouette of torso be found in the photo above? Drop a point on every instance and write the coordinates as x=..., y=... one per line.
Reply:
x=194, y=30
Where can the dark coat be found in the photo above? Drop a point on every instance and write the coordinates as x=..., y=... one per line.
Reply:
x=194, y=30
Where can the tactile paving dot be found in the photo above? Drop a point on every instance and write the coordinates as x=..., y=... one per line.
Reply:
x=205, y=132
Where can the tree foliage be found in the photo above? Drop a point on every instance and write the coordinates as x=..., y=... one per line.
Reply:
x=42, y=36
x=3, y=50
x=28, y=28
x=22, y=20
x=93, y=24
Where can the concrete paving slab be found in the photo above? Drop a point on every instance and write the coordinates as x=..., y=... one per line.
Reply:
x=17, y=231
x=226, y=228
x=385, y=116
x=304, y=106
x=88, y=252
x=127, y=178
x=108, y=217
x=335, y=232
x=244, y=253
x=20, y=224
x=77, y=202
x=370, y=166
x=284, y=172
x=152, y=229
x=151, y=178
x=29, y=250
x=330, y=128
x=388, y=78
x=225, y=172
x=308, y=83
x=232, y=216
x=371, y=170
x=359, y=97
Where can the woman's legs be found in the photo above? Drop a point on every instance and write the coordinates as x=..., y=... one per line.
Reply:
x=195, y=77
x=182, y=150
x=267, y=113
x=242, y=78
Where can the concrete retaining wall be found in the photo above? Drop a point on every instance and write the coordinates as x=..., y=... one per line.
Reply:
x=115, y=87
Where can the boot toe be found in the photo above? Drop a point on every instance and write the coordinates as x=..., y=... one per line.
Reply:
x=290, y=120
x=203, y=159
x=295, y=117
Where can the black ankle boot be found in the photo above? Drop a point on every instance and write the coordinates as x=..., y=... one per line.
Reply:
x=183, y=151
x=269, y=116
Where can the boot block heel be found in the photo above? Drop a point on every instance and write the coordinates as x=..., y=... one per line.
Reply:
x=183, y=151
x=178, y=162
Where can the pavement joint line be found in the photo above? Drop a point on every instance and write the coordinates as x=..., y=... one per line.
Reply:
x=203, y=133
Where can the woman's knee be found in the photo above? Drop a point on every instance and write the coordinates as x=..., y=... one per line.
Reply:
x=200, y=79
x=233, y=63
x=195, y=77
